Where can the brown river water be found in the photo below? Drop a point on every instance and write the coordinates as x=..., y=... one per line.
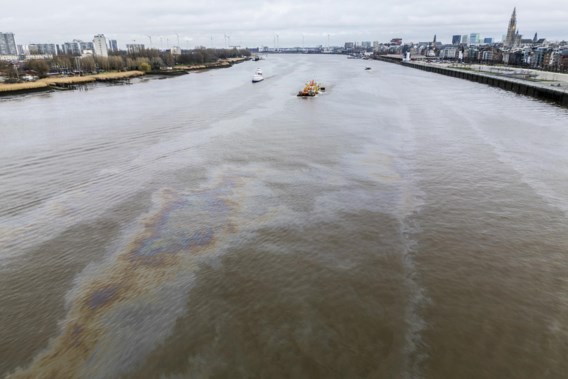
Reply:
x=402, y=224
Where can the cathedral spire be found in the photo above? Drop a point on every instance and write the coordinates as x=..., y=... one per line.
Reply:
x=511, y=30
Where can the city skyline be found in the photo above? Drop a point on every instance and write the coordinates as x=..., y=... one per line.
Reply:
x=252, y=23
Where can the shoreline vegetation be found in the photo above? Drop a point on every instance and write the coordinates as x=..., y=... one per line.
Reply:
x=68, y=82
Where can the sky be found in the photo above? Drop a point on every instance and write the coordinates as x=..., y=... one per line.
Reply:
x=289, y=23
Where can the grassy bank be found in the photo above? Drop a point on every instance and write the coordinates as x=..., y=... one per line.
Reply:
x=46, y=83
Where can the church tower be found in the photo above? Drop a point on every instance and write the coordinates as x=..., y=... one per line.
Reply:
x=510, y=40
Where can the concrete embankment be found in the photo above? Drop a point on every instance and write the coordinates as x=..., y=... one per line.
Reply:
x=62, y=82
x=538, y=89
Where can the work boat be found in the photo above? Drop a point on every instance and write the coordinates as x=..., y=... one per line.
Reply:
x=310, y=89
x=257, y=77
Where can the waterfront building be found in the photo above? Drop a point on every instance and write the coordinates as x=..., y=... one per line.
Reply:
x=9, y=58
x=85, y=45
x=8, y=44
x=526, y=41
x=512, y=32
x=563, y=60
x=474, y=39
x=456, y=39
x=449, y=52
x=42, y=48
x=100, y=46
x=135, y=48
x=366, y=45
x=71, y=48
x=77, y=47
x=349, y=45
x=112, y=45
x=540, y=56
x=487, y=55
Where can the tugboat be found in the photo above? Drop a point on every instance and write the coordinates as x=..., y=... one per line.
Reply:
x=310, y=89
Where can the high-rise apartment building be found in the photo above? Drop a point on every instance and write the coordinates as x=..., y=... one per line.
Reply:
x=8, y=44
x=112, y=45
x=77, y=47
x=100, y=46
x=474, y=39
x=42, y=48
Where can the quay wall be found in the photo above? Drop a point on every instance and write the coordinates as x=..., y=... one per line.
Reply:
x=521, y=87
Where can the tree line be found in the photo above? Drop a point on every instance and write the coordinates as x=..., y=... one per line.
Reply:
x=145, y=60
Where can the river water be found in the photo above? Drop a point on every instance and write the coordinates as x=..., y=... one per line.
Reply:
x=401, y=225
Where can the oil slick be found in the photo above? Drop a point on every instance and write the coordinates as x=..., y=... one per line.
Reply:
x=120, y=310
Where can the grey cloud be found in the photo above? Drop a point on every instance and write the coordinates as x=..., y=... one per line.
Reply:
x=254, y=22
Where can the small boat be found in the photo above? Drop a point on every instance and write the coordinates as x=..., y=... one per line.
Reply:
x=310, y=89
x=367, y=68
x=257, y=77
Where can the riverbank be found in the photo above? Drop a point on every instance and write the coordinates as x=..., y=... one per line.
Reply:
x=181, y=69
x=550, y=87
x=64, y=82
x=58, y=83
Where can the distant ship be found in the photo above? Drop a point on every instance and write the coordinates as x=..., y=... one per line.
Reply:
x=257, y=77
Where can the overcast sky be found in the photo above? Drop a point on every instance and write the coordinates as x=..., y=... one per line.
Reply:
x=253, y=23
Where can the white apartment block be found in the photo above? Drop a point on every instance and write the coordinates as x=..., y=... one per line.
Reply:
x=100, y=46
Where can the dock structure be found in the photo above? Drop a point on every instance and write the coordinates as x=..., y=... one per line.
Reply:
x=556, y=92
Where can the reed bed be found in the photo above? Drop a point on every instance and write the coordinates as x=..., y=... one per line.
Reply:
x=15, y=87
x=69, y=80
x=117, y=75
x=46, y=82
